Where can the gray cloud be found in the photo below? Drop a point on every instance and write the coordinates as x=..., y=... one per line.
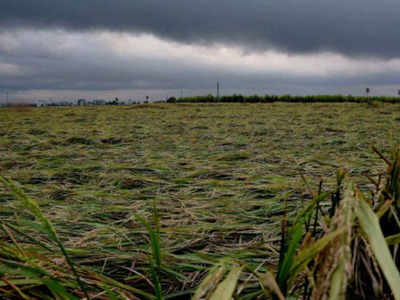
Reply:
x=56, y=61
x=353, y=28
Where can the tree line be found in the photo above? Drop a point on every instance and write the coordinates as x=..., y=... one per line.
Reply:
x=237, y=98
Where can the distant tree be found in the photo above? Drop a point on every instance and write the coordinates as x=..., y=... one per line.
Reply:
x=367, y=90
x=171, y=100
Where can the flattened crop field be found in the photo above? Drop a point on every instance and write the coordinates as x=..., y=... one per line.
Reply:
x=220, y=176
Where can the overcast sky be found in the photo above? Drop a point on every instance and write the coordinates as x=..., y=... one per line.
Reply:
x=100, y=48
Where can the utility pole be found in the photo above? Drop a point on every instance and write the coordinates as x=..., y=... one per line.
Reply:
x=217, y=90
x=6, y=98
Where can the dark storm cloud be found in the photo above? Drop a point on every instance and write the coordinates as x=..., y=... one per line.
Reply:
x=62, y=60
x=59, y=60
x=355, y=27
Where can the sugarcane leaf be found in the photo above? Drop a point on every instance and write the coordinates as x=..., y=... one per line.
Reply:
x=268, y=281
x=227, y=287
x=370, y=225
x=393, y=239
x=208, y=283
x=338, y=283
x=307, y=254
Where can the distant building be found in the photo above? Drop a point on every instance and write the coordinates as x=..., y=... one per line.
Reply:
x=41, y=103
x=82, y=102
x=99, y=102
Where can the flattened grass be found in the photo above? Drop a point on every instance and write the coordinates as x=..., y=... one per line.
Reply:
x=219, y=174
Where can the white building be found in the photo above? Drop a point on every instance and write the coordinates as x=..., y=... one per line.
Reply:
x=41, y=103
x=81, y=102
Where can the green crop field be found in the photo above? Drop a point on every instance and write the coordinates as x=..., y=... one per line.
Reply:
x=146, y=201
